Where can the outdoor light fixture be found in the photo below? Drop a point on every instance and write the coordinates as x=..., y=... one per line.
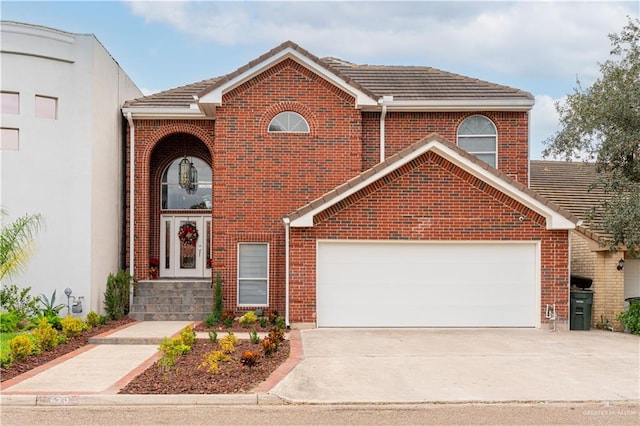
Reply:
x=620, y=265
x=187, y=176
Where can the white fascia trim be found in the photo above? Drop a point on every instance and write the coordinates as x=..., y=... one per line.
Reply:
x=192, y=112
x=554, y=220
x=215, y=96
x=462, y=105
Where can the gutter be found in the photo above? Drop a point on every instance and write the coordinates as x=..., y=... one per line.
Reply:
x=132, y=187
x=287, y=229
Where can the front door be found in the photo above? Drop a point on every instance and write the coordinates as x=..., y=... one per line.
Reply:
x=185, y=246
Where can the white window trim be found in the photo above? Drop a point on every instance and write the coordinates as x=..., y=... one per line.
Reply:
x=495, y=152
x=289, y=131
x=242, y=305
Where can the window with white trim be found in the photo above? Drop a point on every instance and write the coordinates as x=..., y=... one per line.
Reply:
x=478, y=136
x=253, y=274
x=289, y=122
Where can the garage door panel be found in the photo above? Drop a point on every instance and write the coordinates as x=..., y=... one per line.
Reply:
x=420, y=284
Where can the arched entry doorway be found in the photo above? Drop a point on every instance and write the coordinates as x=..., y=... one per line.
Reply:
x=185, y=218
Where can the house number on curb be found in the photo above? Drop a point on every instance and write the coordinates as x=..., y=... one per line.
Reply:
x=57, y=400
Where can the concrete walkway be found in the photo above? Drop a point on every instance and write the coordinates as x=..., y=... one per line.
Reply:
x=463, y=365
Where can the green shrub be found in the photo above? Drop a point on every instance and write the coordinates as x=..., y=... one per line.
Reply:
x=71, y=327
x=49, y=307
x=268, y=347
x=6, y=360
x=188, y=336
x=116, y=296
x=264, y=322
x=217, y=299
x=279, y=322
x=228, y=343
x=227, y=318
x=9, y=322
x=46, y=336
x=93, y=319
x=21, y=347
x=62, y=338
x=171, y=350
x=249, y=358
x=211, y=320
x=276, y=335
x=212, y=359
x=248, y=319
x=213, y=336
x=273, y=315
x=253, y=337
x=630, y=318
x=20, y=301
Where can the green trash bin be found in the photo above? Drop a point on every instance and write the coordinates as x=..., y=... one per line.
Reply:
x=580, y=305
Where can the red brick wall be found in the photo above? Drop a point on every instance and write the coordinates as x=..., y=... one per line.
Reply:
x=403, y=129
x=259, y=177
x=428, y=199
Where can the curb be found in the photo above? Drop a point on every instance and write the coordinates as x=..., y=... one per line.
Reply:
x=109, y=400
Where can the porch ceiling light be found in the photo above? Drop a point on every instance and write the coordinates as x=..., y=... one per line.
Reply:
x=187, y=176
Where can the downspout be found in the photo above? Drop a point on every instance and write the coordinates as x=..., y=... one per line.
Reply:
x=383, y=101
x=287, y=227
x=132, y=186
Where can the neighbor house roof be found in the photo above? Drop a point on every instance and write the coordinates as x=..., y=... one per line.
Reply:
x=556, y=216
x=570, y=185
x=400, y=87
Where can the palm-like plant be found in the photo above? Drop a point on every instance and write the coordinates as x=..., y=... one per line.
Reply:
x=16, y=242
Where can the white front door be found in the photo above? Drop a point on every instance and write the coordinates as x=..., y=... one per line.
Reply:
x=185, y=246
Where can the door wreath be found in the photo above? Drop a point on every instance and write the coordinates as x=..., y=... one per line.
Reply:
x=188, y=234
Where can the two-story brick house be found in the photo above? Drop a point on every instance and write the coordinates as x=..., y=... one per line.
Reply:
x=348, y=195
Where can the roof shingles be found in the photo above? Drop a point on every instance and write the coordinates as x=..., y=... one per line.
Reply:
x=410, y=83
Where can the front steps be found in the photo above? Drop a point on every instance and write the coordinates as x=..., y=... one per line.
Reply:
x=172, y=300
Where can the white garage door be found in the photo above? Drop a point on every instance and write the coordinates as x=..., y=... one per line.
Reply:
x=407, y=284
x=632, y=278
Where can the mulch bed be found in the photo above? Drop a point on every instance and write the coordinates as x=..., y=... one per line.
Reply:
x=34, y=361
x=186, y=378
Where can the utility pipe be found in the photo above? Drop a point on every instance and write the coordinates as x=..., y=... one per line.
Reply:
x=132, y=186
x=383, y=115
x=287, y=228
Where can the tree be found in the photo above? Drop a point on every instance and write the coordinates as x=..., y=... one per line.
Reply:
x=16, y=242
x=602, y=123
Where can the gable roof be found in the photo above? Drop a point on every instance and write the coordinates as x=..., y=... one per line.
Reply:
x=556, y=217
x=401, y=88
x=569, y=184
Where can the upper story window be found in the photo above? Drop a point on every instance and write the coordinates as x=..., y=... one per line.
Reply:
x=46, y=107
x=289, y=122
x=198, y=195
x=10, y=103
x=9, y=139
x=478, y=136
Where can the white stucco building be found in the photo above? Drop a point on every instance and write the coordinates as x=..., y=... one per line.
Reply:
x=61, y=155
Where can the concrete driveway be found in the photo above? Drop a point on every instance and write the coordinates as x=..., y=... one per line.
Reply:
x=488, y=365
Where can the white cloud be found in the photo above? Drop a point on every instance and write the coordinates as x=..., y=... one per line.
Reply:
x=536, y=39
x=544, y=122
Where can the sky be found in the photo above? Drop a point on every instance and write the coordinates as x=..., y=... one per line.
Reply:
x=542, y=47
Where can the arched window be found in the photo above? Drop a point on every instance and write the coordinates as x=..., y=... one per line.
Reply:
x=478, y=136
x=289, y=122
x=175, y=197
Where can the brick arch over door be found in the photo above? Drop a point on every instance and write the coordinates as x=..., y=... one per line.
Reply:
x=156, y=146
